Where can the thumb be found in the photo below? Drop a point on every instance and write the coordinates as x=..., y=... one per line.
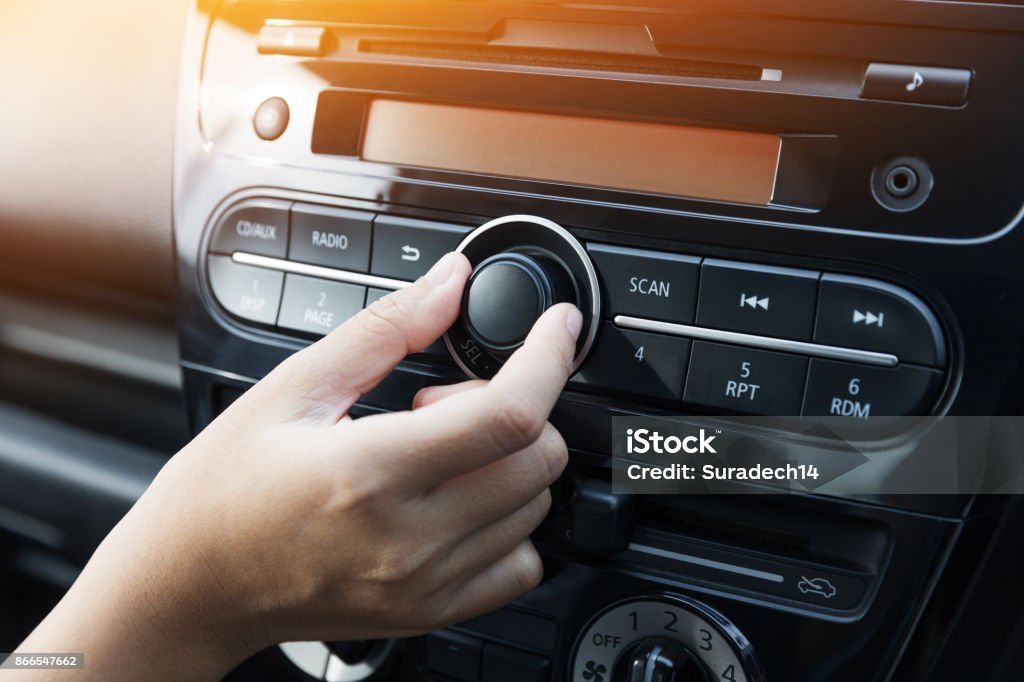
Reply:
x=336, y=370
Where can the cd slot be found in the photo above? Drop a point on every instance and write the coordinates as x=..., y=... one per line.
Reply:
x=467, y=53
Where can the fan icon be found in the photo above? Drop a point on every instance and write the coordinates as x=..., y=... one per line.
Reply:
x=593, y=671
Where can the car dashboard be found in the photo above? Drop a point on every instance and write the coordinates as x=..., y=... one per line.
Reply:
x=791, y=225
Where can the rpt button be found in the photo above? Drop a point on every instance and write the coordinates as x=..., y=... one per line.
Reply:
x=648, y=284
x=259, y=226
x=741, y=379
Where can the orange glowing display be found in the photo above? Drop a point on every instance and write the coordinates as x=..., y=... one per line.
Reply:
x=702, y=163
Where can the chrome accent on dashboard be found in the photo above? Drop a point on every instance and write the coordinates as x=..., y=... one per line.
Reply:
x=754, y=341
x=319, y=271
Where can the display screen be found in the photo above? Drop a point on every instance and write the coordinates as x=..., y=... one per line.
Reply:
x=702, y=163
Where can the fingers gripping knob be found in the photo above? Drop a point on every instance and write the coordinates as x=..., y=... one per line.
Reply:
x=522, y=265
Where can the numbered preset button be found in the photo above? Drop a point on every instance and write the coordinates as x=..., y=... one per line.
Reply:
x=738, y=379
x=317, y=305
x=649, y=284
x=652, y=365
x=864, y=394
x=245, y=291
x=334, y=237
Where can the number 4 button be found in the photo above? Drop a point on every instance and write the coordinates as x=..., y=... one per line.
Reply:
x=640, y=363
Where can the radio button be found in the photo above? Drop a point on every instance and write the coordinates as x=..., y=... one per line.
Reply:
x=245, y=291
x=864, y=394
x=404, y=248
x=259, y=226
x=757, y=299
x=745, y=380
x=862, y=313
x=318, y=305
x=659, y=286
x=652, y=365
x=335, y=237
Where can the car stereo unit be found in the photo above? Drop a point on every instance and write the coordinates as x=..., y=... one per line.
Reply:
x=756, y=206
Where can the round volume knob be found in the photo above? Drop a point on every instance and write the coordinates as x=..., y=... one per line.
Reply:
x=507, y=293
x=522, y=265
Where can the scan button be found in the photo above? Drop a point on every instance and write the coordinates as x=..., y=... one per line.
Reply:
x=650, y=284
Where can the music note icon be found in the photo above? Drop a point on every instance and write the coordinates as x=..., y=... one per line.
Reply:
x=915, y=82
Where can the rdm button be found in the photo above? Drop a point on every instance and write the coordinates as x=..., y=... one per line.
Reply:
x=659, y=286
x=745, y=380
x=863, y=394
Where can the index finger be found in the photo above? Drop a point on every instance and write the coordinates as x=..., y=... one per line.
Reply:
x=471, y=429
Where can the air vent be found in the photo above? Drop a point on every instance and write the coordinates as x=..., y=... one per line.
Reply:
x=561, y=59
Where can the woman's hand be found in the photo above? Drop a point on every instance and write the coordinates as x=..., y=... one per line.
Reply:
x=286, y=520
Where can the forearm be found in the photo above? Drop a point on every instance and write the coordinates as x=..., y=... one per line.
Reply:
x=143, y=611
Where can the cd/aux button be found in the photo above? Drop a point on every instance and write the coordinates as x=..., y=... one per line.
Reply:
x=259, y=226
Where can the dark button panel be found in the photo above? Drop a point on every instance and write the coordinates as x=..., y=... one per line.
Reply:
x=259, y=226
x=712, y=334
x=405, y=249
x=635, y=362
x=658, y=286
x=502, y=664
x=334, y=237
x=317, y=305
x=864, y=394
x=757, y=299
x=249, y=293
x=453, y=655
x=876, y=316
x=917, y=84
x=745, y=379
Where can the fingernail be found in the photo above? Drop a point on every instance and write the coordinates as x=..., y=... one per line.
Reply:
x=442, y=270
x=574, y=322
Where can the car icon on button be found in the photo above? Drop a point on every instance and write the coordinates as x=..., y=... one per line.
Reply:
x=819, y=586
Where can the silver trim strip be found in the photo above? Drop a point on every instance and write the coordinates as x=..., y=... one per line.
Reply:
x=818, y=350
x=318, y=271
x=707, y=563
